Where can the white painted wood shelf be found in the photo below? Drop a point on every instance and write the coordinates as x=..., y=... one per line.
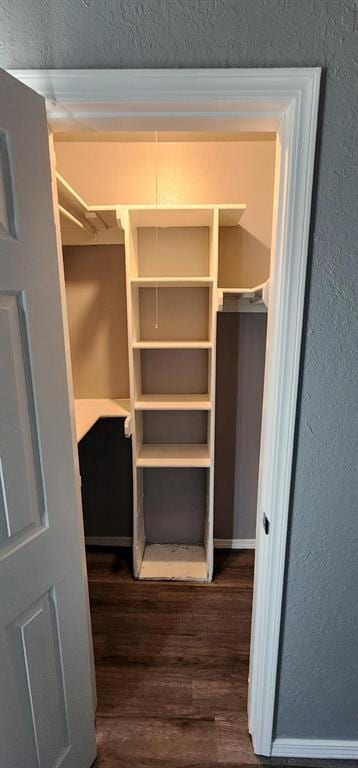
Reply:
x=172, y=282
x=88, y=411
x=174, y=562
x=172, y=344
x=178, y=402
x=181, y=215
x=255, y=299
x=173, y=455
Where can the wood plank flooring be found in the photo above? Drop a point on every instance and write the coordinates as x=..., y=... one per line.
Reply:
x=171, y=665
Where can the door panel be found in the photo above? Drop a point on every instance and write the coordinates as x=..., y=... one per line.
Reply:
x=21, y=491
x=7, y=222
x=46, y=702
x=34, y=648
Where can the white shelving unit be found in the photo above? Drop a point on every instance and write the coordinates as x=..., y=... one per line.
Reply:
x=172, y=302
x=172, y=267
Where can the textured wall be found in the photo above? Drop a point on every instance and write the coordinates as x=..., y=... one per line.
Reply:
x=318, y=691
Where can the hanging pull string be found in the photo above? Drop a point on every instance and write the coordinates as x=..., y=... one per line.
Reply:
x=156, y=169
x=157, y=287
x=156, y=307
x=156, y=231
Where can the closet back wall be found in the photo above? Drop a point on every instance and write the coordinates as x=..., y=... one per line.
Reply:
x=179, y=172
x=96, y=304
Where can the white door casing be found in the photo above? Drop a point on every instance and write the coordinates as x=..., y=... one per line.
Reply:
x=46, y=701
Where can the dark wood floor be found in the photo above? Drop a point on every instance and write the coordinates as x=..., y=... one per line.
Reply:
x=171, y=665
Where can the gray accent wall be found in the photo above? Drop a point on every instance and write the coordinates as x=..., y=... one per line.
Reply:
x=240, y=367
x=182, y=492
x=317, y=692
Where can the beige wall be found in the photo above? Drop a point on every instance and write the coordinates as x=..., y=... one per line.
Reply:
x=96, y=302
x=182, y=172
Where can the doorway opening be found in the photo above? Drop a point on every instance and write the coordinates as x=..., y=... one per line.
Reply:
x=167, y=247
x=173, y=319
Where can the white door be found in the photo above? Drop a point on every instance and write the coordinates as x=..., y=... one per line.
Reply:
x=46, y=703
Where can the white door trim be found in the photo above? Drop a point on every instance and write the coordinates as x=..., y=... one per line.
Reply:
x=282, y=100
x=329, y=749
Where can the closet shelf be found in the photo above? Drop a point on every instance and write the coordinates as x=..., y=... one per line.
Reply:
x=180, y=562
x=258, y=293
x=183, y=215
x=173, y=455
x=172, y=282
x=230, y=215
x=172, y=345
x=87, y=412
x=173, y=403
x=244, y=299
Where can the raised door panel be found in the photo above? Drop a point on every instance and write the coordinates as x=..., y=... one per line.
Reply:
x=7, y=224
x=37, y=685
x=21, y=489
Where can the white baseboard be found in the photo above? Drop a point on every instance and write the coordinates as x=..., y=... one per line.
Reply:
x=108, y=541
x=126, y=541
x=334, y=749
x=234, y=543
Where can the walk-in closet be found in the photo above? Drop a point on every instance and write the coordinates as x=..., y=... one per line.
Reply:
x=166, y=243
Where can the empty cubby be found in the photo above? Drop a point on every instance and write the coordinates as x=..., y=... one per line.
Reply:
x=174, y=505
x=173, y=313
x=174, y=426
x=174, y=371
x=173, y=251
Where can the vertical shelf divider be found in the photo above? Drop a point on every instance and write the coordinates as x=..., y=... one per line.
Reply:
x=213, y=263
x=131, y=260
